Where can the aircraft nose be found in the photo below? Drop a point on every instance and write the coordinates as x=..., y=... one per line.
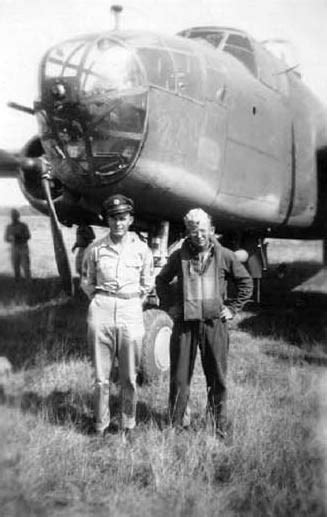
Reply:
x=117, y=129
x=97, y=110
x=116, y=99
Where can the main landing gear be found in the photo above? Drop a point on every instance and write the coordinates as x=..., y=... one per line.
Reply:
x=158, y=324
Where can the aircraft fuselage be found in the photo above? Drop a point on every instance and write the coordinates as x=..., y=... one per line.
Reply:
x=176, y=123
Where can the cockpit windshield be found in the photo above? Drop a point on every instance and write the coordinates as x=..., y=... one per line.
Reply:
x=235, y=43
x=212, y=38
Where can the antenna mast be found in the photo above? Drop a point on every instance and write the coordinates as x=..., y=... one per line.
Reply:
x=116, y=10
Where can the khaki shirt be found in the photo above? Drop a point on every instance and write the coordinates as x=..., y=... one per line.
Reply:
x=125, y=269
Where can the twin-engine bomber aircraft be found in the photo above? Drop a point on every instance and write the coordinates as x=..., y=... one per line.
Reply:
x=208, y=118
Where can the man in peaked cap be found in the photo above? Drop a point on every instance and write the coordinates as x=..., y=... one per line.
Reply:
x=118, y=204
x=117, y=274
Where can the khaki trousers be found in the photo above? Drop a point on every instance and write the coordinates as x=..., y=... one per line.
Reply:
x=115, y=329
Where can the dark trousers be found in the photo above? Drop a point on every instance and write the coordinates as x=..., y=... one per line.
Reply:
x=213, y=340
x=20, y=258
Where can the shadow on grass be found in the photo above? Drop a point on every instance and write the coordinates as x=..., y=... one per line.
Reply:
x=38, y=323
x=27, y=293
x=75, y=409
x=37, y=320
x=58, y=408
x=305, y=358
x=285, y=277
x=297, y=316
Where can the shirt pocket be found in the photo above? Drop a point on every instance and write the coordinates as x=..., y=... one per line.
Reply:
x=133, y=266
x=106, y=266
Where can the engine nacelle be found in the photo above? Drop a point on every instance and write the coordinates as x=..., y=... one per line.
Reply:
x=30, y=176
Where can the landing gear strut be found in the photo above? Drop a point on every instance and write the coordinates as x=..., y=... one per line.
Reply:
x=60, y=250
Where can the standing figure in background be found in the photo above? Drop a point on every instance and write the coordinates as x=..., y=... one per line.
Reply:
x=256, y=262
x=18, y=234
x=117, y=275
x=251, y=251
x=84, y=236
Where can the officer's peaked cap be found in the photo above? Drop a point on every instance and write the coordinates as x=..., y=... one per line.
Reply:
x=117, y=204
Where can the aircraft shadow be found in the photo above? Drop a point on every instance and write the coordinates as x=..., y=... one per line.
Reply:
x=293, y=307
x=38, y=320
x=27, y=293
x=280, y=280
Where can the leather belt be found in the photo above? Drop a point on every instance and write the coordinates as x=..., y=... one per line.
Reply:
x=122, y=296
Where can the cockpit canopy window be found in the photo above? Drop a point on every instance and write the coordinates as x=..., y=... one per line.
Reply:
x=238, y=45
x=158, y=67
x=172, y=70
x=187, y=75
x=213, y=38
x=239, y=40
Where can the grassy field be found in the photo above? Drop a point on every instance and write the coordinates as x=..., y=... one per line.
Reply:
x=274, y=461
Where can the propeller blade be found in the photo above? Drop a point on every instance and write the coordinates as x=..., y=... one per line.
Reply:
x=60, y=250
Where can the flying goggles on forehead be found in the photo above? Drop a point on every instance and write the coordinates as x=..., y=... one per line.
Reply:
x=198, y=226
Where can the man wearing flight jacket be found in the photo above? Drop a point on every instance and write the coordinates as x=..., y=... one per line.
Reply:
x=201, y=267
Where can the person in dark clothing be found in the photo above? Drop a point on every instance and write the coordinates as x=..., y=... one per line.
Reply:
x=200, y=312
x=18, y=234
x=84, y=236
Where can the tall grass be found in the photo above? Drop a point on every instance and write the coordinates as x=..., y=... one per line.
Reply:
x=272, y=463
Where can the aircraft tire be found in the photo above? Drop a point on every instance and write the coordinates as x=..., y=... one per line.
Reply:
x=155, y=353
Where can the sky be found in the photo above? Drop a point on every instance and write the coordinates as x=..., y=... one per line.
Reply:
x=29, y=27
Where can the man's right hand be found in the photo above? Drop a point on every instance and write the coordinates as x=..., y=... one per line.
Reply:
x=112, y=286
x=226, y=314
x=173, y=312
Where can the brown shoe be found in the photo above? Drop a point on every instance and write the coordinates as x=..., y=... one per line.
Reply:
x=112, y=428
